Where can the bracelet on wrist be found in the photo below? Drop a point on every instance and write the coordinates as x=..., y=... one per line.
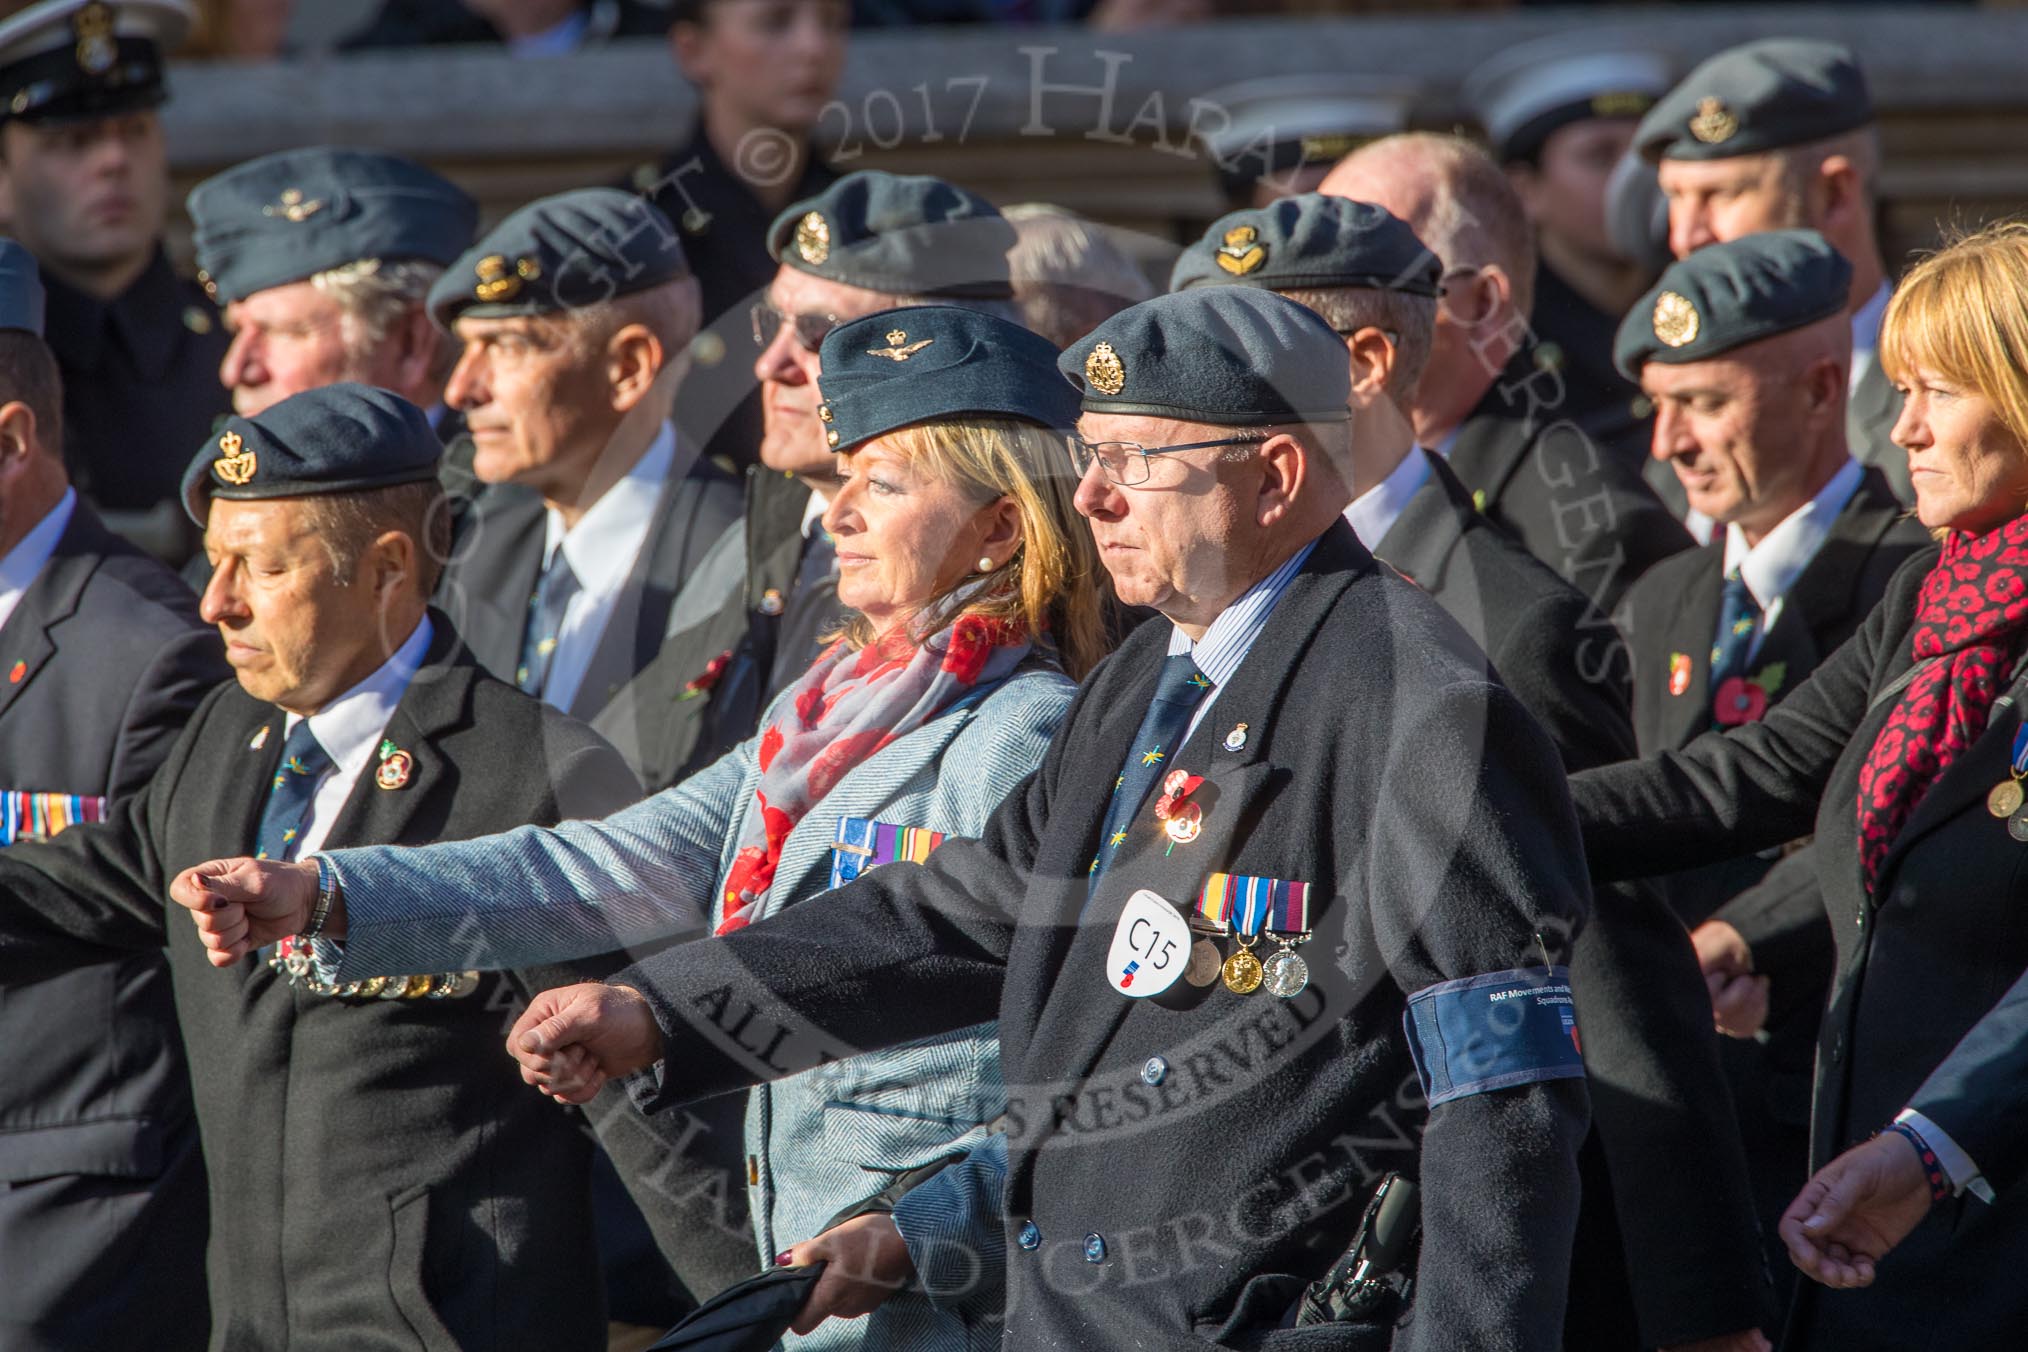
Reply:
x=327, y=892
x=1932, y=1169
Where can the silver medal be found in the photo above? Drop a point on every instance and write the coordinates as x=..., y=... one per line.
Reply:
x=1286, y=974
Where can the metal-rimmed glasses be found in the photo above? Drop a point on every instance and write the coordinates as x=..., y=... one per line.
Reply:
x=810, y=329
x=1126, y=462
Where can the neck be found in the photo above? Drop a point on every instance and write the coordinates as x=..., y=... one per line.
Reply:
x=516, y=25
x=1195, y=615
x=398, y=617
x=29, y=500
x=1610, y=285
x=1868, y=272
x=1381, y=439
x=725, y=128
x=103, y=281
x=1823, y=467
x=623, y=451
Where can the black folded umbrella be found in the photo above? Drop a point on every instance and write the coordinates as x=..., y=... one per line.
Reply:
x=748, y=1316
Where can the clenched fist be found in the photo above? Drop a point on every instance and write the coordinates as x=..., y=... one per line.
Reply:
x=571, y=1040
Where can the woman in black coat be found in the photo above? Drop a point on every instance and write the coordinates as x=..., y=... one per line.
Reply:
x=1905, y=752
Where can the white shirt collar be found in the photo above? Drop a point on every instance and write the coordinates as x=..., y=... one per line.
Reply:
x=607, y=538
x=1866, y=320
x=19, y=569
x=1374, y=512
x=349, y=727
x=1447, y=441
x=1230, y=637
x=813, y=512
x=1772, y=566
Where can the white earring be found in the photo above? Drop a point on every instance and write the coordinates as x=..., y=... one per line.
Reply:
x=986, y=563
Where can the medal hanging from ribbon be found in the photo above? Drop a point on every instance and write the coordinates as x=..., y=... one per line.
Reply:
x=2007, y=797
x=1250, y=906
x=1285, y=973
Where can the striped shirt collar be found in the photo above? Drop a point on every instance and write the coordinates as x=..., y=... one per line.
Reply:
x=1231, y=636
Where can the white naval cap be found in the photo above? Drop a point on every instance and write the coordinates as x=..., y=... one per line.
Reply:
x=1282, y=122
x=1527, y=92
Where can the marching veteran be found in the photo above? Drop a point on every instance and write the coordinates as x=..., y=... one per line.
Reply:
x=322, y=259
x=1200, y=1104
x=972, y=588
x=383, y=1181
x=1908, y=751
x=1665, y=1189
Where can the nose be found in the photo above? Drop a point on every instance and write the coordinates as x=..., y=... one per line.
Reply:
x=1672, y=435
x=241, y=365
x=466, y=389
x=777, y=361
x=1689, y=228
x=1909, y=431
x=221, y=600
x=1096, y=494
x=841, y=518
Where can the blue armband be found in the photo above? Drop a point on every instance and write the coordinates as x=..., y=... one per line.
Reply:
x=1495, y=1031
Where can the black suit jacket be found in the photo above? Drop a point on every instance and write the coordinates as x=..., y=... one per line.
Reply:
x=1980, y=1093
x=499, y=561
x=380, y=1177
x=1922, y=956
x=1577, y=505
x=1667, y=1237
x=101, y=1179
x=1376, y=762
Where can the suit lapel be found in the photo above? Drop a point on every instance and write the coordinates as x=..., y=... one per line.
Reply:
x=1420, y=543
x=1490, y=442
x=25, y=641
x=436, y=700
x=486, y=593
x=1691, y=631
x=1826, y=592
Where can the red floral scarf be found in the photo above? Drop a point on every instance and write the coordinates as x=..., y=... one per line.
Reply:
x=845, y=708
x=1972, y=606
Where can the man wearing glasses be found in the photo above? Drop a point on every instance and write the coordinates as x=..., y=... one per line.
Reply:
x=754, y=617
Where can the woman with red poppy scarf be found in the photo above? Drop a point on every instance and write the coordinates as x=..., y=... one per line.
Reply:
x=974, y=595
x=1903, y=751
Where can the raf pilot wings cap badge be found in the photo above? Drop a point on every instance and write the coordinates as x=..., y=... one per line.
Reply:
x=75, y=60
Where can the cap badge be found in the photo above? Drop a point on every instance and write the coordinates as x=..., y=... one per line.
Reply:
x=894, y=351
x=1103, y=371
x=1621, y=103
x=1676, y=322
x=499, y=281
x=813, y=238
x=291, y=206
x=1242, y=250
x=1714, y=121
x=1315, y=148
x=233, y=467
x=197, y=319
x=824, y=413
x=92, y=27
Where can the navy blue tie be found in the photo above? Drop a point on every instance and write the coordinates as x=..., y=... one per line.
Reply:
x=304, y=764
x=1738, y=621
x=545, y=624
x=1177, y=693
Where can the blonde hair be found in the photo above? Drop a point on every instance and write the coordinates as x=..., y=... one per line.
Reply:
x=1053, y=584
x=1962, y=312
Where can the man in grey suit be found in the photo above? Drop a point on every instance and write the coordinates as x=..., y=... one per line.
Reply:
x=102, y=659
x=1775, y=134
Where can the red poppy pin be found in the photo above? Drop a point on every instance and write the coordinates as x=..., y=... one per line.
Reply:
x=1679, y=673
x=1182, y=820
x=713, y=673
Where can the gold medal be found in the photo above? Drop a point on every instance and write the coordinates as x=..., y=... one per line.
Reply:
x=1205, y=964
x=1242, y=973
x=2006, y=798
x=1286, y=974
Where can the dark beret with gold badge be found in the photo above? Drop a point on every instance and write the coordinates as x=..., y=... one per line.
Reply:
x=575, y=249
x=1232, y=356
x=74, y=60
x=1728, y=295
x=288, y=216
x=1306, y=242
x=902, y=235
x=1757, y=97
x=925, y=363
x=333, y=439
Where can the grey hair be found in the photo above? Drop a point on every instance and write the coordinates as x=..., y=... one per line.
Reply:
x=1411, y=319
x=375, y=296
x=1799, y=165
x=1069, y=276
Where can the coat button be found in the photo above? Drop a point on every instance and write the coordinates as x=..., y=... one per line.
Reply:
x=1030, y=1237
x=1094, y=1248
x=1838, y=1048
x=1155, y=1071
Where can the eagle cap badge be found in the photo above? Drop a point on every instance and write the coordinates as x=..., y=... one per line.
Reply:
x=236, y=465
x=1675, y=320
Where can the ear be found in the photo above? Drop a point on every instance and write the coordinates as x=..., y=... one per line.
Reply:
x=1841, y=194
x=392, y=561
x=634, y=359
x=18, y=441
x=1826, y=383
x=1004, y=531
x=1284, y=467
x=1372, y=366
x=417, y=344
x=1498, y=292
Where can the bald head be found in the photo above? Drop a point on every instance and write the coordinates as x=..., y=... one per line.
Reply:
x=1457, y=200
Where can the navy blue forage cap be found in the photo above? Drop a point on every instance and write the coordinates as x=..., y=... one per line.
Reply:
x=288, y=216
x=1757, y=97
x=922, y=363
x=334, y=439
x=1728, y=295
x=21, y=295
x=73, y=60
x=578, y=248
x=904, y=235
x=1234, y=356
x=1311, y=241
x=1528, y=93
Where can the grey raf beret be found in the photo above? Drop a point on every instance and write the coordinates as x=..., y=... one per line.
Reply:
x=1728, y=295
x=1310, y=241
x=899, y=235
x=339, y=438
x=1758, y=97
x=565, y=252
